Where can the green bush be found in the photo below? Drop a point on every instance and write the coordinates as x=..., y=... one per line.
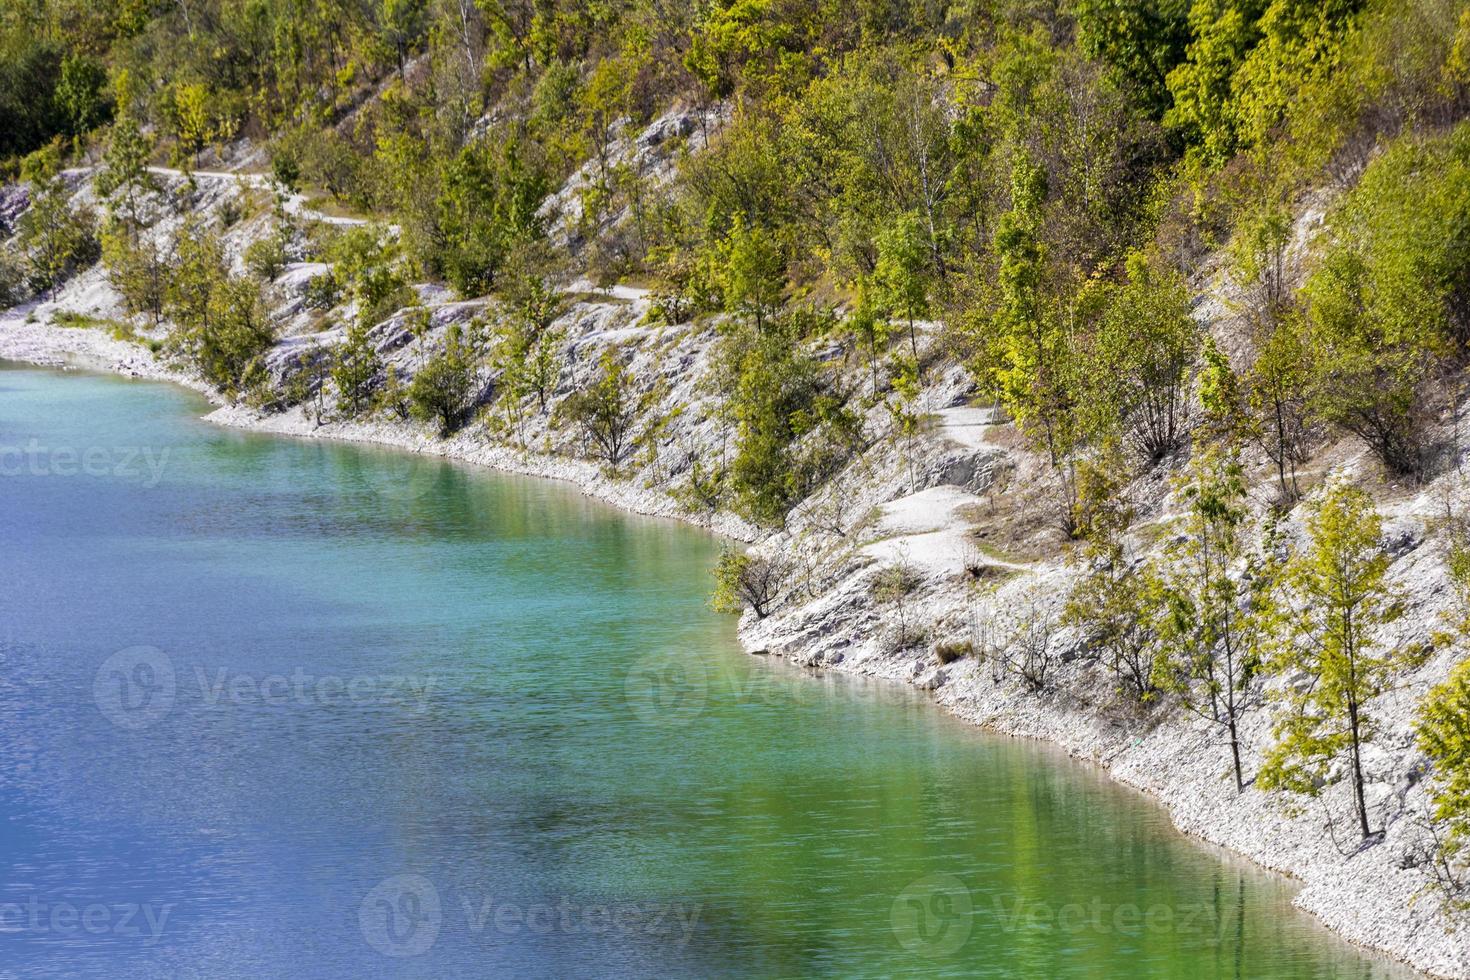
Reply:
x=1444, y=736
x=1389, y=297
x=266, y=257
x=221, y=327
x=442, y=390
x=355, y=368
x=607, y=411
x=793, y=428
x=754, y=582
x=57, y=239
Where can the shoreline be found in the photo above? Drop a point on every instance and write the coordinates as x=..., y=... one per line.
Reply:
x=88, y=349
x=1253, y=831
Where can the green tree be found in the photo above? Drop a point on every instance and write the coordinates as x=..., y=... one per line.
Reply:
x=1444, y=736
x=871, y=327
x=1030, y=350
x=442, y=390
x=221, y=327
x=1300, y=40
x=1279, y=395
x=543, y=366
x=792, y=428
x=1113, y=603
x=355, y=368
x=737, y=40
x=57, y=240
x=80, y=93
x=1389, y=298
x=1220, y=397
x=366, y=265
x=1143, y=41
x=755, y=582
x=905, y=414
x=1222, y=34
x=199, y=268
x=528, y=356
x=607, y=411
x=487, y=204
x=139, y=268
x=1219, y=608
x=903, y=274
x=752, y=273
x=30, y=66
x=1147, y=345
x=402, y=23
x=194, y=121
x=1342, y=600
x=124, y=178
x=266, y=257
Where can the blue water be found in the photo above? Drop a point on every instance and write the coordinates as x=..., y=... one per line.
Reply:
x=289, y=708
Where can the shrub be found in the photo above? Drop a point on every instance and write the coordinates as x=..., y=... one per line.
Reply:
x=139, y=269
x=606, y=411
x=221, y=326
x=365, y=265
x=793, y=427
x=266, y=257
x=285, y=166
x=392, y=398
x=1444, y=736
x=1146, y=346
x=57, y=239
x=1016, y=640
x=12, y=279
x=355, y=366
x=1389, y=296
x=948, y=651
x=322, y=292
x=487, y=206
x=891, y=589
x=755, y=582
x=441, y=391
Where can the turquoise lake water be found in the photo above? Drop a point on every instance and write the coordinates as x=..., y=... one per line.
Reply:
x=277, y=708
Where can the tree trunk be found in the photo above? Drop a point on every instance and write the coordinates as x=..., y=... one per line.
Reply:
x=1359, y=799
x=914, y=346
x=1235, y=755
x=1281, y=449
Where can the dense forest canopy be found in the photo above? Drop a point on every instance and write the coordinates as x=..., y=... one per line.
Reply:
x=852, y=122
x=1043, y=179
